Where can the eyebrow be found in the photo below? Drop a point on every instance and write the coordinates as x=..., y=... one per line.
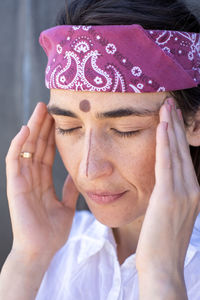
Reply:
x=118, y=113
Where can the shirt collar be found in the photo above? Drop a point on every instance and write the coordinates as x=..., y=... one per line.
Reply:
x=95, y=237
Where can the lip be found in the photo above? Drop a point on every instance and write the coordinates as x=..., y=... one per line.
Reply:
x=104, y=197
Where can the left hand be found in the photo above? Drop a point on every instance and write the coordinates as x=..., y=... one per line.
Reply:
x=174, y=203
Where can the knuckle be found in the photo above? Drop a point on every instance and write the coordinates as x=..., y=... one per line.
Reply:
x=167, y=165
x=175, y=154
x=42, y=139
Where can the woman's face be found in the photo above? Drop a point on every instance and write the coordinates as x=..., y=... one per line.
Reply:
x=99, y=154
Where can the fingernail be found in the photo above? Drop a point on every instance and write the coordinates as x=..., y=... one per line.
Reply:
x=169, y=107
x=171, y=102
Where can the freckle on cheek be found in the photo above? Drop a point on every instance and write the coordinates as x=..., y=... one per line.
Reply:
x=85, y=106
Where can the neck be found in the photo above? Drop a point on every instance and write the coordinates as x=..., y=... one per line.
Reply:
x=126, y=238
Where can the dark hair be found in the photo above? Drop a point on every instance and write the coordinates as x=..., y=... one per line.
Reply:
x=150, y=14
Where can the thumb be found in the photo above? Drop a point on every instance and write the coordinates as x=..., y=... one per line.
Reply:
x=70, y=193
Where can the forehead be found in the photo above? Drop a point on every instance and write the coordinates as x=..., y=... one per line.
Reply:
x=98, y=100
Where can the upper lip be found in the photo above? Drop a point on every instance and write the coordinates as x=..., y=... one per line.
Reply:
x=105, y=193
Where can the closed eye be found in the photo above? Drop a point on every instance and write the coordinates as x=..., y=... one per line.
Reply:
x=115, y=131
x=66, y=131
x=125, y=133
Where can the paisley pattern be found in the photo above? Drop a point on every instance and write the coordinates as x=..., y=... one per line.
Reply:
x=188, y=44
x=120, y=58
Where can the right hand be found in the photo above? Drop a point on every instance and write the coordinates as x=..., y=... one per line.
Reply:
x=40, y=222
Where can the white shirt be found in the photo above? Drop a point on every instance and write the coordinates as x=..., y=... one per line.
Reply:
x=87, y=267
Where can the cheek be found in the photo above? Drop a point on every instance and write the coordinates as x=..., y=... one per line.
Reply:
x=69, y=153
x=139, y=163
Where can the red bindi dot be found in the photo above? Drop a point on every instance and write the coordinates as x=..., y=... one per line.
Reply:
x=85, y=105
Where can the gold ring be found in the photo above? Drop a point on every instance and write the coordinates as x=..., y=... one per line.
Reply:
x=26, y=154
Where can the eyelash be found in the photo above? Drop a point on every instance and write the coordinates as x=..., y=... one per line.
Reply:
x=125, y=134
x=66, y=131
x=116, y=132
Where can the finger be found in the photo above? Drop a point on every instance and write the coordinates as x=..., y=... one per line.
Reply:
x=47, y=161
x=41, y=173
x=180, y=116
x=34, y=125
x=189, y=173
x=70, y=193
x=163, y=166
x=49, y=154
x=42, y=140
x=179, y=130
x=167, y=113
x=13, y=155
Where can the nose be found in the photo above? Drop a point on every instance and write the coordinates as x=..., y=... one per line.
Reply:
x=95, y=162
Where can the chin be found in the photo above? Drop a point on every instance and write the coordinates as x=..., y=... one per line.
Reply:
x=116, y=218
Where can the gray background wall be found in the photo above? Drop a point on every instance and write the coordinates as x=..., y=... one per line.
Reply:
x=22, y=64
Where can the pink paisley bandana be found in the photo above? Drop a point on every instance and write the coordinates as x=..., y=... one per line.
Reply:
x=120, y=58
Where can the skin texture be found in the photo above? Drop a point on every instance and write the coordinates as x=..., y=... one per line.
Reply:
x=88, y=158
x=123, y=164
x=154, y=167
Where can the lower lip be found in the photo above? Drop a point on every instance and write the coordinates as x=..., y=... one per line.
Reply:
x=105, y=199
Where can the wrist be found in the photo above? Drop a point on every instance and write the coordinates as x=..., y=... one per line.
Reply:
x=28, y=263
x=30, y=255
x=25, y=273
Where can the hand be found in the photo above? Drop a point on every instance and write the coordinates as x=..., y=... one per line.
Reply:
x=40, y=222
x=175, y=200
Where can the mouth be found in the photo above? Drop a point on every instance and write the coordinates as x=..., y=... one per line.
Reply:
x=104, y=197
